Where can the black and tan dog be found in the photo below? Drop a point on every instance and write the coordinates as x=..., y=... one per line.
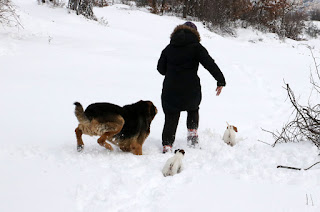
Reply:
x=127, y=126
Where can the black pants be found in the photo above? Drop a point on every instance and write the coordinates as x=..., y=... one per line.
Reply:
x=171, y=124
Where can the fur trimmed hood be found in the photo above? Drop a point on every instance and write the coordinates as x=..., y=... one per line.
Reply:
x=185, y=29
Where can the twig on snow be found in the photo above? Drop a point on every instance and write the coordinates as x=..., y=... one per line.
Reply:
x=294, y=168
x=264, y=142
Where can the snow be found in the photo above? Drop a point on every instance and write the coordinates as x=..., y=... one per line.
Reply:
x=59, y=58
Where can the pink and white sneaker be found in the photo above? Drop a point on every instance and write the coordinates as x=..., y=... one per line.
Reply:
x=167, y=148
x=193, y=139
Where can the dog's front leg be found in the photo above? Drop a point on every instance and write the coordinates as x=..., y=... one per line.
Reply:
x=136, y=148
x=80, y=144
x=102, y=141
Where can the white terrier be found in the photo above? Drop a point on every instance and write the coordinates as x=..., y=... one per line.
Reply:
x=174, y=164
x=229, y=135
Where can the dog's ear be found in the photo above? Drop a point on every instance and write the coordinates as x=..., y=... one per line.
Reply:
x=235, y=129
x=149, y=111
x=140, y=107
x=179, y=150
x=152, y=109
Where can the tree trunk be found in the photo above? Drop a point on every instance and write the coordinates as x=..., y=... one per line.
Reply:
x=185, y=8
x=154, y=7
x=163, y=4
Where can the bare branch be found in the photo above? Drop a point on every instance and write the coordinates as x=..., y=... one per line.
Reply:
x=305, y=125
x=294, y=168
x=8, y=15
x=264, y=142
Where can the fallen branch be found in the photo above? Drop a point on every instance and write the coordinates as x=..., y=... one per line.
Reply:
x=305, y=123
x=264, y=142
x=294, y=168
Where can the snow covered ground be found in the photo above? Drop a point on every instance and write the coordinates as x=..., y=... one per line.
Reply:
x=59, y=57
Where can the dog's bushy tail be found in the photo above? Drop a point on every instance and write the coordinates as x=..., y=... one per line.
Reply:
x=80, y=113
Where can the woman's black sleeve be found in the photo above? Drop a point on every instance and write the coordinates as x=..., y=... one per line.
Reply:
x=208, y=63
x=162, y=63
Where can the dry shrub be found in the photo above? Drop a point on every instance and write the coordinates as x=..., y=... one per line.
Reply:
x=305, y=125
x=8, y=15
x=82, y=7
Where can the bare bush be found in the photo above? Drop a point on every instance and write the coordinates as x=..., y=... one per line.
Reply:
x=285, y=17
x=103, y=21
x=312, y=30
x=305, y=125
x=154, y=6
x=100, y=3
x=315, y=15
x=141, y=3
x=82, y=7
x=54, y=3
x=293, y=25
x=8, y=15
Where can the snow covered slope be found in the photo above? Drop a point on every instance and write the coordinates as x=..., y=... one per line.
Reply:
x=59, y=58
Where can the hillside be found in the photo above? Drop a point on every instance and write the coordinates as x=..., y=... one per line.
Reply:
x=59, y=58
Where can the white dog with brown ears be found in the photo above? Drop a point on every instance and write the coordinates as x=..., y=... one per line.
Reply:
x=229, y=135
x=174, y=164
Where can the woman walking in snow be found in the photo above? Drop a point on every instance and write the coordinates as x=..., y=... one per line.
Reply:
x=181, y=91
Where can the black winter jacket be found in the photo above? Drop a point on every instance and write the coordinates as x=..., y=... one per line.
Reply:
x=179, y=63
